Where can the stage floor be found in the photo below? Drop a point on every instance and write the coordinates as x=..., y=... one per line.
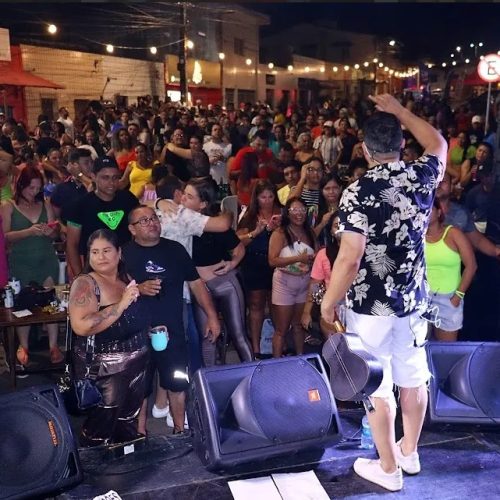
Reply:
x=456, y=464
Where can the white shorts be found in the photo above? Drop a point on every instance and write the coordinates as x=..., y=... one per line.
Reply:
x=392, y=341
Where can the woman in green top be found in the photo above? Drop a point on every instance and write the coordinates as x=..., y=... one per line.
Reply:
x=446, y=249
x=457, y=154
x=29, y=227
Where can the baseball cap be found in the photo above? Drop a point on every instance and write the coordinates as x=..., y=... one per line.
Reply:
x=328, y=123
x=477, y=119
x=104, y=162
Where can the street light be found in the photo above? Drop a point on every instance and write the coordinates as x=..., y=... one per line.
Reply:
x=52, y=29
x=392, y=43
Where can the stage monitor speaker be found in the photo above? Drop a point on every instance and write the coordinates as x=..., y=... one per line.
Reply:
x=464, y=387
x=38, y=453
x=253, y=411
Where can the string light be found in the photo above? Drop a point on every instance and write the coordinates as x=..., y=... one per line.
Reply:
x=222, y=56
x=270, y=65
x=248, y=62
x=335, y=69
x=290, y=67
x=52, y=29
x=356, y=66
x=153, y=50
x=110, y=48
x=346, y=68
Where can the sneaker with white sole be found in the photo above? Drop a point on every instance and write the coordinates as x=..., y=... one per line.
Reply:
x=170, y=421
x=409, y=463
x=372, y=471
x=160, y=412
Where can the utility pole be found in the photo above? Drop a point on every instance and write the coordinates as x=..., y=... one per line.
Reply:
x=183, y=54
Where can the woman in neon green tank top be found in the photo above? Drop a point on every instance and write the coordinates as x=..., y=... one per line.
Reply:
x=446, y=249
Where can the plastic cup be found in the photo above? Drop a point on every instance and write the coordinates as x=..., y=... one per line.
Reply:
x=159, y=338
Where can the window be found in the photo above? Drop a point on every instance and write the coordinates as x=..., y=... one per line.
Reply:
x=48, y=107
x=239, y=46
x=270, y=80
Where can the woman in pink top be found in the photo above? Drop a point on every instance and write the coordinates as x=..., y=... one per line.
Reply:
x=320, y=274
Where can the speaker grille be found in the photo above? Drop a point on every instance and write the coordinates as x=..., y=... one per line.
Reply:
x=284, y=402
x=30, y=445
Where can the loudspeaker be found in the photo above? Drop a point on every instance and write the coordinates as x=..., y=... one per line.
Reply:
x=253, y=411
x=464, y=387
x=37, y=448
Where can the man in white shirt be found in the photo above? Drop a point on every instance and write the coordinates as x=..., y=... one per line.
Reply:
x=69, y=126
x=218, y=153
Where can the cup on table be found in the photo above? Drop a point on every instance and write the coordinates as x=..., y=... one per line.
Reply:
x=159, y=337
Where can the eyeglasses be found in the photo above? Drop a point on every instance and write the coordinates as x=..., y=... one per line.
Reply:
x=312, y=170
x=145, y=221
x=297, y=210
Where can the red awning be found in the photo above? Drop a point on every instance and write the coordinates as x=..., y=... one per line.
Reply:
x=474, y=79
x=20, y=78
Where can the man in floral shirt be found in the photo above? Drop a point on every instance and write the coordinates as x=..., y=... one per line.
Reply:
x=380, y=265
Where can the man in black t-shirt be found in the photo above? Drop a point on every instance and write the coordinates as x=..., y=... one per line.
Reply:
x=161, y=267
x=76, y=186
x=106, y=207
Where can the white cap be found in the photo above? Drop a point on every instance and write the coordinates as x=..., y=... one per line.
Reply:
x=477, y=119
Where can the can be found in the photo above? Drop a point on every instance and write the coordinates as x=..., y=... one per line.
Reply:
x=8, y=298
x=16, y=285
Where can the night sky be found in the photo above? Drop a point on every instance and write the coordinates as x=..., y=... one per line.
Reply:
x=425, y=29
x=428, y=31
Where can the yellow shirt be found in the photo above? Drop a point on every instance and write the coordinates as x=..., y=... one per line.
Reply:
x=139, y=177
x=283, y=194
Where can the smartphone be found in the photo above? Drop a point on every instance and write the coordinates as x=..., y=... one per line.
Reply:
x=53, y=224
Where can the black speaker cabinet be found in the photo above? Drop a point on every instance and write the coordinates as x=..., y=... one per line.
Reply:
x=253, y=411
x=464, y=388
x=37, y=448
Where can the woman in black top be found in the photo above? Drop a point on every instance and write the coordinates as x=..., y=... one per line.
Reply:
x=105, y=303
x=216, y=256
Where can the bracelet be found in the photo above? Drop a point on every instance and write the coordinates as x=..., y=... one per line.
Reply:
x=459, y=294
x=250, y=236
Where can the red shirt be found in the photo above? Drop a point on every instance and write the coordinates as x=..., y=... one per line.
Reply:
x=265, y=157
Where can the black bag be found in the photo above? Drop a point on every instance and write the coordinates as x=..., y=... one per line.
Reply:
x=79, y=394
x=34, y=295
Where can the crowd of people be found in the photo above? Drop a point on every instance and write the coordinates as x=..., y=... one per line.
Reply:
x=135, y=196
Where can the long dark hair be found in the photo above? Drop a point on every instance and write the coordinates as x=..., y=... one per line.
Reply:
x=24, y=180
x=323, y=205
x=207, y=191
x=111, y=236
x=249, y=220
x=332, y=245
x=285, y=223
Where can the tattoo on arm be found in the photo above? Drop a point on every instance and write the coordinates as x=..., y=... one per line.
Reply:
x=82, y=294
x=98, y=317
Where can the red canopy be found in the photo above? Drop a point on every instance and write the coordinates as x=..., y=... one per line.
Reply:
x=12, y=73
x=20, y=78
x=474, y=79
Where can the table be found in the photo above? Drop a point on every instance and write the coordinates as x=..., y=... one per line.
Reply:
x=8, y=323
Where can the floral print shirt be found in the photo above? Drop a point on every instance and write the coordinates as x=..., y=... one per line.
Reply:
x=391, y=205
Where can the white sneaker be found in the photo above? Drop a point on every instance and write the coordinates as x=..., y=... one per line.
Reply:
x=170, y=421
x=409, y=463
x=160, y=412
x=372, y=471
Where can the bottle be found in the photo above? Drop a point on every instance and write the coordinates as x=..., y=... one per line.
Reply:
x=8, y=300
x=366, y=435
x=15, y=284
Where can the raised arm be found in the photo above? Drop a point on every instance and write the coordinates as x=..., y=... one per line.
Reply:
x=425, y=134
x=85, y=316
